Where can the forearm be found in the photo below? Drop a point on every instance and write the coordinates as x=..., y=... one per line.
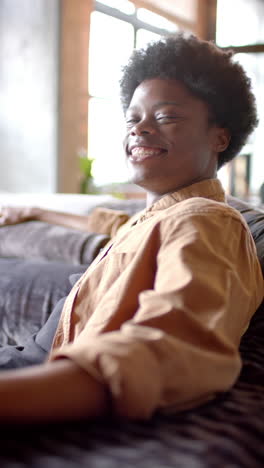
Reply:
x=100, y=220
x=56, y=391
x=10, y=215
x=79, y=222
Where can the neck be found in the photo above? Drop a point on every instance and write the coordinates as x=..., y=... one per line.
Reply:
x=152, y=197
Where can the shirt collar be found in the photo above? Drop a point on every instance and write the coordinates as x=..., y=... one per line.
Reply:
x=210, y=188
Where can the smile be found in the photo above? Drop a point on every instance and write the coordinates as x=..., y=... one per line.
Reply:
x=140, y=153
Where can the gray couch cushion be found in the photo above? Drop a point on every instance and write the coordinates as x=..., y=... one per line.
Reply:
x=37, y=240
x=29, y=290
x=255, y=220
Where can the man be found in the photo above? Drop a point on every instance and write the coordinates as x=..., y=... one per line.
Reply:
x=155, y=322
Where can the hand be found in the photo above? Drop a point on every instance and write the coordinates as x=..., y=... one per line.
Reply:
x=15, y=214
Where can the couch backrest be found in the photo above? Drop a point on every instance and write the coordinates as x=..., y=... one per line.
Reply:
x=255, y=220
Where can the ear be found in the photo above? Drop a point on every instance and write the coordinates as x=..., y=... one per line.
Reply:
x=222, y=139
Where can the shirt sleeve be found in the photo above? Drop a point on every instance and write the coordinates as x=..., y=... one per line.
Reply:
x=181, y=347
x=106, y=221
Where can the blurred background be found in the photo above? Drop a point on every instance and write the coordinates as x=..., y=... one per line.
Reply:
x=60, y=63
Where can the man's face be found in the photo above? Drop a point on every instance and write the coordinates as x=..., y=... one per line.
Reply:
x=169, y=142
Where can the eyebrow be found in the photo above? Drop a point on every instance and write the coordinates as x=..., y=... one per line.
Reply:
x=167, y=103
x=159, y=104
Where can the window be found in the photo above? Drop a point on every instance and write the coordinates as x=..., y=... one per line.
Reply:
x=254, y=66
x=244, y=37
x=116, y=28
x=239, y=22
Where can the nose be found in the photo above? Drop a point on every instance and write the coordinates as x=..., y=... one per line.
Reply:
x=143, y=127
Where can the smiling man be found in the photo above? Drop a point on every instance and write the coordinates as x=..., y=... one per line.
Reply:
x=155, y=322
x=170, y=142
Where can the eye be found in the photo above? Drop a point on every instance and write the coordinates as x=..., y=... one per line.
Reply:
x=130, y=121
x=166, y=117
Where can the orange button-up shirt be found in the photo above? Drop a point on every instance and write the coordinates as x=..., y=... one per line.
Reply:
x=158, y=316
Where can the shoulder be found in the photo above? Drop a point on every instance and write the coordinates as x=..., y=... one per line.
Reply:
x=208, y=218
x=204, y=208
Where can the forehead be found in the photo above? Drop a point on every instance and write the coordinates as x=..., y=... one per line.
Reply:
x=159, y=89
x=158, y=92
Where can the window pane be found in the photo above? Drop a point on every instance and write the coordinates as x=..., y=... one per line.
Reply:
x=105, y=137
x=156, y=20
x=144, y=37
x=122, y=5
x=223, y=175
x=111, y=43
x=240, y=22
x=254, y=66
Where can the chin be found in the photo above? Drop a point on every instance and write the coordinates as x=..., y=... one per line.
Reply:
x=140, y=181
x=136, y=178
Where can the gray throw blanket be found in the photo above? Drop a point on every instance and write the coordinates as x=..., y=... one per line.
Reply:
x=38, y=240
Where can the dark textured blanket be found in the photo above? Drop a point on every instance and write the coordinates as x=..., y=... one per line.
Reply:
x=36, y=260
x=226, y=433
x=28, y=292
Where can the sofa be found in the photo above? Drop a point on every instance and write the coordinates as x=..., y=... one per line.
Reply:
x=36, y=262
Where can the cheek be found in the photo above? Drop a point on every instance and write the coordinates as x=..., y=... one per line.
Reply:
x=124, y=141
x=184, y=143
x=191, y=150
x=195, y=141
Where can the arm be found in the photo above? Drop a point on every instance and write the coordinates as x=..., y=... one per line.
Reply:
x=100, y=220
x=51, y=392
x=19, y=214
x=181, y=346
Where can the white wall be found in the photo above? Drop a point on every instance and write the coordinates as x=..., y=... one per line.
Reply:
x=29, y=44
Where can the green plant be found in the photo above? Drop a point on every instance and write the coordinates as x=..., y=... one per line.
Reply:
x=86, y=166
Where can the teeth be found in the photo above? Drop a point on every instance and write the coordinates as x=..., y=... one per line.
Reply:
x=141, y=151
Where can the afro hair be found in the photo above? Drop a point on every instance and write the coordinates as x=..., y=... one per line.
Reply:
x=208, y=72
